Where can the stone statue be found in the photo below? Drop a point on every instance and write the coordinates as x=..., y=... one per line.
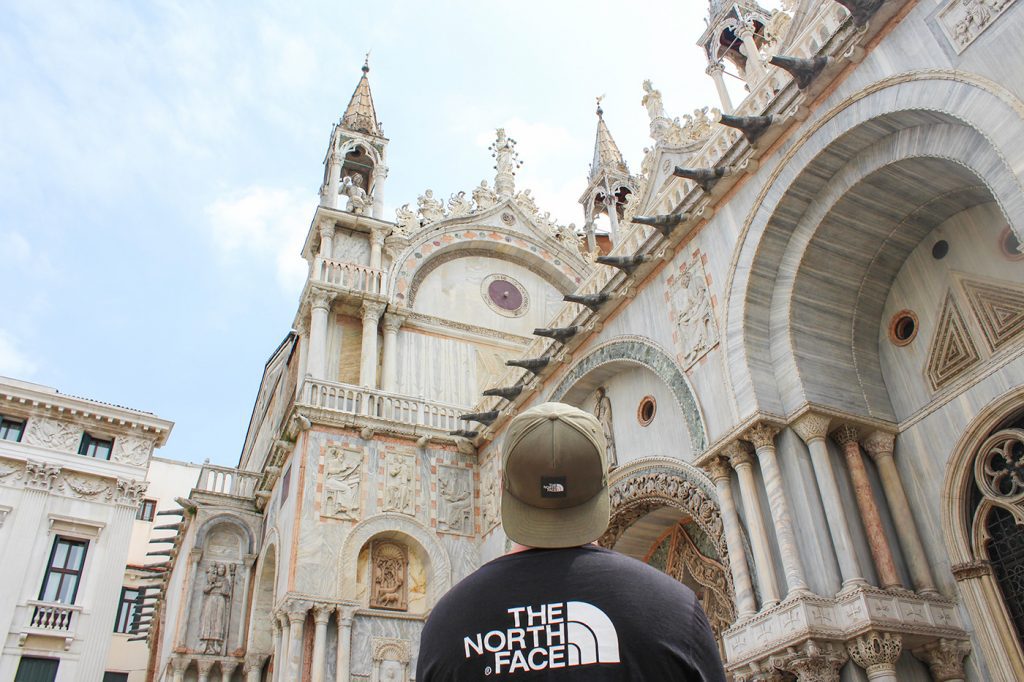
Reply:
x=215, y=611
x=484, y=196
x=652, y=100
x=603, y=412
x=459, y=205
x=696, y=321
x=342, y=470
x=525, y=201
x=502, y=154
x=431, y=210
x=399, y=493
x=455, y=511
x=406, y=221
x=358, y=199
x=489, y=497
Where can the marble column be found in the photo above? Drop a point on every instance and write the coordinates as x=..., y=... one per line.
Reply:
x=281, y=662
x=877, y=653
x=813, y=428
x=178, y=666
x=611, y=204
x=316, y=360
x=344, y=615
x=329, y=198
x=321, y=614
x=204, y=668
x=326, y=240
x=368, y=368
x=721, y=474
x=742, y=462
x=380, y=174
x=754, y=69
x=252, y=669
x=717, y=72
x=389, y=378
x=945, y=659
x=227, y=669
x=296, y=620
x=763, y=438
x=376, y=244
x=879, y=446
x=847, y=437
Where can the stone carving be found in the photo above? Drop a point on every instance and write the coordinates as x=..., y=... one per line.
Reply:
x=216, y=607
x=406, y=221
x=507, y=162
x=999, y=467
x=358, y=199
x=717, y=597
x=945, y=658
x=39, y=475
x=129, y=492
x=660, y=124
x=971, y=570
x=484, y=196
x=430, y=209
x=603, y=412
x=390, y=659
x=81, y=486
x=390, y=566
x=695, y=331
x=399, y=483
x=816, y=662
x=459, y=205
x=952, y=350
x=526, y=202
x=489, y=495
x=7, y=469
x=49, y=433
x=811, y=426
x=964, y=20
x=342, y=479
x=876, y=652
x=132, y=450
x=998, y=308
x=454, y=500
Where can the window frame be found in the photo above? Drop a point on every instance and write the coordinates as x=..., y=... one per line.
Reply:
x=126, y=610
x=5, y=427
x=147, y=504
x=91, y=441
x=63, y=571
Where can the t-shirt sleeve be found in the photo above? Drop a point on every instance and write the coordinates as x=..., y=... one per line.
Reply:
x=706, y=658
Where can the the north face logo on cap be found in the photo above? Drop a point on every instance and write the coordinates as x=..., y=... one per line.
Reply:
x=552, y=486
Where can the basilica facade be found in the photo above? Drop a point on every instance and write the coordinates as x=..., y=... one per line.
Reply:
x=801, y=330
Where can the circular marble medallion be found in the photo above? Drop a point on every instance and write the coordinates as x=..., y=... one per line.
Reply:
x=505, y=295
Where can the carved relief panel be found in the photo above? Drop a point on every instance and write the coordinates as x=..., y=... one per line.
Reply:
x=964, y=20
x=490, y=493
x=389, y=565
x=343, y=468
x=454, y=500
x=131, y=450
x=399, y=483
x=694, y=329
x=216, y=611
x=52, y=434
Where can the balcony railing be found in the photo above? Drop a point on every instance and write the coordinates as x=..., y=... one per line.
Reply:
x=366, y=402
x=49, y=619
x=352, y=276
x=227, y=481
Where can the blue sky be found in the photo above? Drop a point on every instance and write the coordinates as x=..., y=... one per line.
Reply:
x=161, y=161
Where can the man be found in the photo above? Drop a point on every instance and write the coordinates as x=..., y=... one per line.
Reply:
x=558, y=607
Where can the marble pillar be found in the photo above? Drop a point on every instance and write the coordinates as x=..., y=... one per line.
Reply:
x=742, y=462
x=389, y=374
x=879, y=446
x=329, y=198
x=762, y=436
x=204, y=668
x=252, y=669
x=227, y=669
x=376, y=246
x=326, y=240
x=611, y=205
x=380, y=174
x=368, y=367
x=721, y=474
x=321, y=614
x=848, y=438
x=813, y=428
x=344, y=615
x=945, y=659
x=877, y=653
x=754, y=69
x=281, y=663
x=296, y=620
x=178, y=666
x=316, y=359
x=717, y=72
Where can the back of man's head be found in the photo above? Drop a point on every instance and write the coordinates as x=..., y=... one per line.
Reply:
x=555, y=477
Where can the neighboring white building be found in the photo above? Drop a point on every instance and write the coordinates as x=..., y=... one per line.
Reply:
x=72, y=478
x=168, y=479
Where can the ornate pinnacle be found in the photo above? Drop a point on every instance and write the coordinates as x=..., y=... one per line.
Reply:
x=503, y=149
x=485, y=418
x=534, y=364
x=592, y=301
x=803, y=70
x=705, y=177
x=561, y=334
x=625, y=263
x=508, y=393
x=663, y=223
x=752, y=127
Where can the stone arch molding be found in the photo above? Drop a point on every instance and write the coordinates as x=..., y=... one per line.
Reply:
x=978, y=108
x=364, y=531
x=642, y=352
x=258, y=638
x=228, y=520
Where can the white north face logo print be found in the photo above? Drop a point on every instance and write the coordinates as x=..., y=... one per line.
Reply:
x=558, y=635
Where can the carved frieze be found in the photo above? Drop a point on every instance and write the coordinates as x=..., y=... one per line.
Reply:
x=399, y=483
x=131, y=450
x=964, y=20
x=454, y=500
x=85, y=486
x=7, y=468
x=694, y=328
x=390, y=568
x=53, y=434
x=343, y=468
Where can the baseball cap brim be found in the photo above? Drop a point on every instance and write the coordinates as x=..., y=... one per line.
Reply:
x=547, y=528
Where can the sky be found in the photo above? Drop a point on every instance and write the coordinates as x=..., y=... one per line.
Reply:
x=160, y=163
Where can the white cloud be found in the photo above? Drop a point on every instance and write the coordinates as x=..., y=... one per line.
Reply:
x=14, y=362
x=264, y=223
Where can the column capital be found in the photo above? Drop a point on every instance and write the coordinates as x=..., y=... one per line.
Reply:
x=818, y=661
x=738, y=454
x=345, y=614
x=719, y=469
x=321, y=299
x=845, y=434
x=377, y=235
x=876, y=651
x=253, y=662
x=715, y=68
x=945, y=658
x=879, y=444
x=296, y=610
x=812, y=426
x=971, y=570
x=326, y=229
x=179, y=663
x=372, y=310
x=322, y=613
x=204, y=666
x=761, y=435
x=393, y=322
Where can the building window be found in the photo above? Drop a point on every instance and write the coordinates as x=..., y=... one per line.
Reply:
x=115, y=677
x=11, y=429
x=286, y=483
x=31, y=669
x=146, y=510
x=64, y=571
x=126, y=609
x=95, y=447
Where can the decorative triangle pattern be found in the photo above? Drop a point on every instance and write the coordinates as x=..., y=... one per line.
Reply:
x=952, y=350
x=999, y=309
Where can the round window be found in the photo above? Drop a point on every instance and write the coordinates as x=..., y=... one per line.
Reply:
x=505, y=295
x=903, y=327
x=1010, y=245
x=646, y=410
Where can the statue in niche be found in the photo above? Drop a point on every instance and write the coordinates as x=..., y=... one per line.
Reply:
x=399, y=493
x=358, y=199
x=390, y=566
x=430, y=208
x=603, y=412
x=342, y=470
x=215, y=611
x=455, y=507
x=484, y=196
x=695, y=322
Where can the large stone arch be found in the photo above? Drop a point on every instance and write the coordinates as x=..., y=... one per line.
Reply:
x=903, y=117
x=264, y=591
x=227, y=520
x=634, y=350
x=440, y=563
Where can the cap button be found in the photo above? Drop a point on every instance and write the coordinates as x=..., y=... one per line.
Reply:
x=553, y=417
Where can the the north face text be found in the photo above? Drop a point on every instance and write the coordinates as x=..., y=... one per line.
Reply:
x=556, y=635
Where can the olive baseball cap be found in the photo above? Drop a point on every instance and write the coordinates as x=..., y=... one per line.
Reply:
x=555, y=480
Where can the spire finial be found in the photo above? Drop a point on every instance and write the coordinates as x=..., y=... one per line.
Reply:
x=366, y=62
x=600, y=111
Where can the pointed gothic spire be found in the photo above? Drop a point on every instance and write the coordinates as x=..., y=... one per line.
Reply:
x=607, y=156
x=360, y=116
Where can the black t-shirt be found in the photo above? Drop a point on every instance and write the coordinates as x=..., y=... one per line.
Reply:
x=584, y=613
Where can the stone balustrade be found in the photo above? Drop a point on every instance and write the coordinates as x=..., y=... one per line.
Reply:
x=360, y=401
x=227, y=481
x=351, y=277
x=50, y=619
